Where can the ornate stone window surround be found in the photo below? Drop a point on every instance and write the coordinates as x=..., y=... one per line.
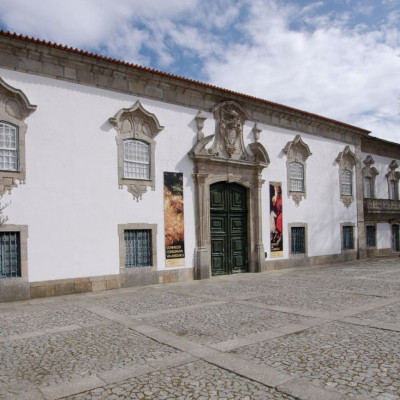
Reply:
x=14, y=109
x=346, y=160
x=353, y=249
x=138, y=124
x=134, y=226
x=222, y=157
x=298, y=225
x=296, y=152
x=23, y=239
x=393, y=176
x=370, y=173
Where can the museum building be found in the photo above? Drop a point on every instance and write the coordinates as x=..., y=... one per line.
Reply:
x=115, y=175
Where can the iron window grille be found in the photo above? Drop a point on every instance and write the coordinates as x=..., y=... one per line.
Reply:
x=371, y=236
x=137, y=248
x=8, y=147
x=395, y=238
x=347, y=189
x=298, y=240
x=296, y=174
x=348, y=242
x=136, y=159
x=10, y=255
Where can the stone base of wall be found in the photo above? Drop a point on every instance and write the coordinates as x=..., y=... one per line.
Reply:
x=20, y=289
x=306, y=261
x=374, y=252
x=14, y=289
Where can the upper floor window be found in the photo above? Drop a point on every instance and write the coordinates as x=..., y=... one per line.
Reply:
x=137, y=129
x=136, y=159
x=297, y=153
x=14, y=108
x=347, y=183
x=296, y=176
x=368, y=192
x=393, y=190
x=346, y=160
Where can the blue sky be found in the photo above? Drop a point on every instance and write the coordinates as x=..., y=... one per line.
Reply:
x=337, y=58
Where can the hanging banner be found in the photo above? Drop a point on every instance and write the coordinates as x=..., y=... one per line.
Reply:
x=275, y=219
x=173, y=219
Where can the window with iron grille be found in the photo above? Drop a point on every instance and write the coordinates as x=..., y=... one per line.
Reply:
x=9, y=255
x=298, y=240
x=296, y=175
x=8, y=147
x=136, y=159
x=371, y=241
x=346, y=184
x=348, y=242
x=137, y=248
x=396, y=238
x=368, y=188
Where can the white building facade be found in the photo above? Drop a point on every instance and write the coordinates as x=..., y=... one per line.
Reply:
x=114, y=175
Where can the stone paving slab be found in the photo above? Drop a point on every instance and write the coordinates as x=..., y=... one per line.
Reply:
x=328, y=332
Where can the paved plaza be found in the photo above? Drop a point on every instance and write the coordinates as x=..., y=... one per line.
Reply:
x=321, y=333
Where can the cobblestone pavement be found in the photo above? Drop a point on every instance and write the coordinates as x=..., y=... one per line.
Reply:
x=320, y=333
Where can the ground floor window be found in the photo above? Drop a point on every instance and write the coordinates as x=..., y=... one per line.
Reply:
x=348, y=239
x=137, y=248
x=395, y=238
x=371, y=236
x=10, y=258
x=298, y=240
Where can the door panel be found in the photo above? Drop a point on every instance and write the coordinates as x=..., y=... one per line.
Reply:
x=228, y=212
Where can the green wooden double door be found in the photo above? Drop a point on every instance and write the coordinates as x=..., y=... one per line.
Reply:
x=228, y=213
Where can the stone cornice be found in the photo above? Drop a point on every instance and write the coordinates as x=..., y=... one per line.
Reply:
x=56, y=61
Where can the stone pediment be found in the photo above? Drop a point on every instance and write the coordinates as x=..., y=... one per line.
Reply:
x=227, y=144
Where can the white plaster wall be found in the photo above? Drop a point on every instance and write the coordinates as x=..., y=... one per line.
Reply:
x=383, y=236
x=71, y=201
x=322, y=209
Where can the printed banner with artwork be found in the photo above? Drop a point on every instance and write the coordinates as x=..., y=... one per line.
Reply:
x=275, y=219
x=173, y=217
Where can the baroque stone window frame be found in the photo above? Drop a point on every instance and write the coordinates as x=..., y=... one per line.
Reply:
x=23, y=246
x=121, y=235
x=370, y=173
x=14, y=109
x=136, y=123
x=298, y=225
x=346, y=160
x=394, y=176
x=297, y=151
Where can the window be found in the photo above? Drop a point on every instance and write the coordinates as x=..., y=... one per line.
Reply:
x=136, y=160
x=296, y=175
x=298, y=240
x=14, y=108
x=395, y=238
x=136, y=131
x=10, y=259
x=368, y=192
x=8, y=147
x=371, y=236
x=393, y=190
x=348, y=242
x=347, y=183
x=297, y=153
x=137, y=248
